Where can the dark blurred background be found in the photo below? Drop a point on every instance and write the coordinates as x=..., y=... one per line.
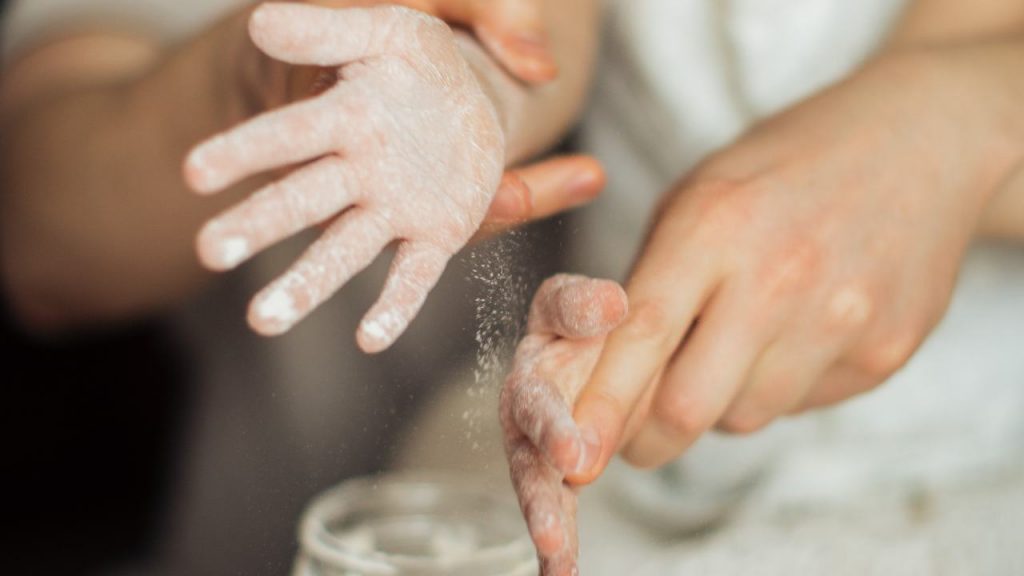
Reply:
x=88, y=429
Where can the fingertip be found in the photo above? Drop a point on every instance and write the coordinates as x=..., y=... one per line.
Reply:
x=529, y=55
x=615, y=303
x=590, y=180
x=379, y=330
x=261, y=19
x=546, y=533
x=273, y=312
x=198, y=173
x=221, y=252
x=371, y=339
x=534, y=69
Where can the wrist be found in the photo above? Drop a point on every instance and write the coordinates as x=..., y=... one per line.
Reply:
x=506, y=95
x=973, y=105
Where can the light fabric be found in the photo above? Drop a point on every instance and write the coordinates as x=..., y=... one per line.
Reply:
x=680, y=79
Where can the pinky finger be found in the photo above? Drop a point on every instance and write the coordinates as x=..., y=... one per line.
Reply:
x=414, y=273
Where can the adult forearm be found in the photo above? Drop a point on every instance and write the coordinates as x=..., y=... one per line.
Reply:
x=535, y=118
x=977, y=94
x=96, y=223
x=981, y=45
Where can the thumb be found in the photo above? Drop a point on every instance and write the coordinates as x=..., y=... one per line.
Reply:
x=541, y=190
x=577, y=307
x=514, y=32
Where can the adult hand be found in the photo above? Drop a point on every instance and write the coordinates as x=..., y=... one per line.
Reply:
x=542, y=190
x=512, y=30
x=799, y=267
x=404, y=147
x=569, y=319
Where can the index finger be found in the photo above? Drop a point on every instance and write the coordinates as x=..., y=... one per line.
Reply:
x=669, y=285
x=577, y=307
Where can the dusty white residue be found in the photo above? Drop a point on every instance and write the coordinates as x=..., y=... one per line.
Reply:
x=279, y=306
x=374, y=330
x=411, y=146
x=385, y=327
x=233, y=251
x=501, y=305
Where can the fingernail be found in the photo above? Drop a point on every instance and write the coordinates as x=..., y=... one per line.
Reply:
x=590, y=450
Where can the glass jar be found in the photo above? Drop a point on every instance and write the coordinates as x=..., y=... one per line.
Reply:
x=414, y=526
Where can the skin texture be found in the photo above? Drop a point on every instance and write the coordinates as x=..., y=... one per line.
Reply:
x=800, y=266
x=512, y=31
x=69, y=109
x=399, y=143
x=569, y=319
x=806, y=263
x=405, y=146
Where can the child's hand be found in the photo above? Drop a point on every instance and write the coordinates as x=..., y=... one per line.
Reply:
x=569, y=319
x=405, y=148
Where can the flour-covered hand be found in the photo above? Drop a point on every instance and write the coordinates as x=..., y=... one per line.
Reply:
x=404, y=148
x=569, y=319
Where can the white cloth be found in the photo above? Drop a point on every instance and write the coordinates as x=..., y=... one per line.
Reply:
x=679, y=79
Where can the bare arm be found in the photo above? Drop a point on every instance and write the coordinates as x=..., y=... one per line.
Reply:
x=980, y=43
x=96, y=222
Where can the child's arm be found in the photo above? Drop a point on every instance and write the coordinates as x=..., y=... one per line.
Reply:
x=94, y=129
x=407, y=146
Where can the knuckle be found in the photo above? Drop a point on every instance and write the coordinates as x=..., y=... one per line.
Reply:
x=793, y=267
x=849, y=308
x=680, y=415
x=722, y=208
x=885, y=357
x=647, y=320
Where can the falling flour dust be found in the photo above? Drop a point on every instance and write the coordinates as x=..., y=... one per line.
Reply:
x=502, y=290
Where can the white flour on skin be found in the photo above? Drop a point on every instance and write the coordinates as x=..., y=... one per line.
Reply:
x=405, y=147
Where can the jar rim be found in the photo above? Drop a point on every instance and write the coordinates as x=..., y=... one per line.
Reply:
x=321, y=545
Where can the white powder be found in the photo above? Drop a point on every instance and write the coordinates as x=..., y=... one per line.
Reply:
x=233, y=251
x=279, y=307
x=501, y=305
